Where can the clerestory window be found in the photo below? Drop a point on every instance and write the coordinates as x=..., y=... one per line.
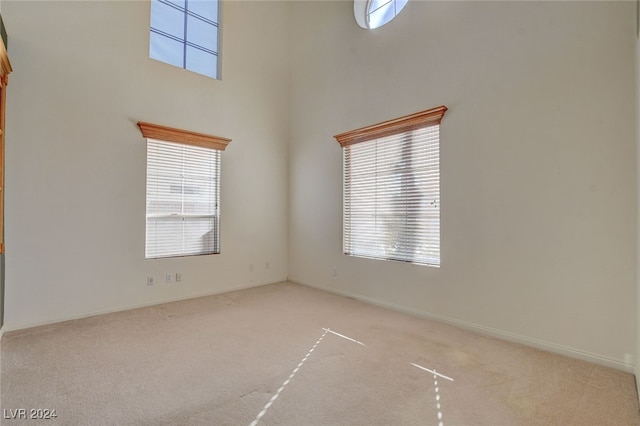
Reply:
x=371, y=14
x=185, y=33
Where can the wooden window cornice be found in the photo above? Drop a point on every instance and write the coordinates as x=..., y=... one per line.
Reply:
x=408, y=122
x=187, y=137
x=5, y=64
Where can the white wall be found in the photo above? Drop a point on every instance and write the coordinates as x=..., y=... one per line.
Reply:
x=75, y=171
x=637, y=367
x=538, y=163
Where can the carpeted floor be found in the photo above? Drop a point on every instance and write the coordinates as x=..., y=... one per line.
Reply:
x=285, y=354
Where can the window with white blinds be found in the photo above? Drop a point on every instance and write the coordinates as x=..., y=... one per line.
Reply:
x=392, y=189
x=183, y=198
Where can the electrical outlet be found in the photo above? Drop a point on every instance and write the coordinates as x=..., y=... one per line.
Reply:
x=149, y=280
x=251, y=266
x=334, y=272
x=178, y=277
x=168, y=278
x=267, y=266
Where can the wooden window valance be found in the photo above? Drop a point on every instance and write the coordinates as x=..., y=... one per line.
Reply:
x=408, y=122
x=187, y=137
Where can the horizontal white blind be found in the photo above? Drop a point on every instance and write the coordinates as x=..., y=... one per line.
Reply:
x=392, y=197
x=183, y=197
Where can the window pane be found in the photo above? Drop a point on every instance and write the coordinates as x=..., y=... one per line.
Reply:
x=166, y=50
x=200, y=235
x=181, y=237
x=168, y=190
x=381, y=16
x=202, y=33
x=167, y=19
x=377, y=4
x=164, y=237
x=202, y=62
x=200, y=195
x=382, y=11
x=173, y=27
x=208, y=9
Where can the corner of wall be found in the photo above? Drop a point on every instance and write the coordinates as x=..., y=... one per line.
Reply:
x=637, y=364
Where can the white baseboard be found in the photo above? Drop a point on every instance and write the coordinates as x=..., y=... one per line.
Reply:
x=500, y=334
x=30, y=324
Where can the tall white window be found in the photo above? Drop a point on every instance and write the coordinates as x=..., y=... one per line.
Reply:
x=392, y=189
x=184, y=33
x=183, y=193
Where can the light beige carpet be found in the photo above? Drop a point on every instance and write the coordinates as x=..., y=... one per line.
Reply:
x=285, y=354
